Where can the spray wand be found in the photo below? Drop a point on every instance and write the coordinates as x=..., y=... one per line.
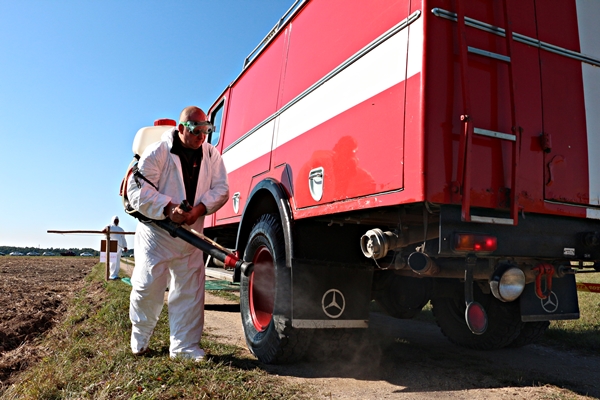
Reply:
x=203, y=243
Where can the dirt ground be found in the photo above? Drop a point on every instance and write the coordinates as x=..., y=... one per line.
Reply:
x=413, y=360
x=410, y=359
x=33, y=291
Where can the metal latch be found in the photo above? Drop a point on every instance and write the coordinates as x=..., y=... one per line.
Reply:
x=315, y=183
x=235, y=200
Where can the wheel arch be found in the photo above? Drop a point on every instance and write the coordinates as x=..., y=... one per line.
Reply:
x=267, y=197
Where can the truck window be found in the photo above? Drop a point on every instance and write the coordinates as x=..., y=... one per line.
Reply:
x=216, y=118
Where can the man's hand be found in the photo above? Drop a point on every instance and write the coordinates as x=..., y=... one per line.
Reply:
x=195, y=213
x=174, y=213
x=177, y=215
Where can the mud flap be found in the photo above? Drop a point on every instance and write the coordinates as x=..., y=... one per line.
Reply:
x=561, y=303
x=330, y=296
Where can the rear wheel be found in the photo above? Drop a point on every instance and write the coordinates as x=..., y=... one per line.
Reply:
x=504, y=319
x=530, y=333
x=401, y=296
x=265, y=297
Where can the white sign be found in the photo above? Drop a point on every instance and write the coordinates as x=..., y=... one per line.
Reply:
x=113, y=257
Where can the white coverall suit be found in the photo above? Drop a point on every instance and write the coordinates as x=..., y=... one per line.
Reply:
x=159, y=257
x=114, y=267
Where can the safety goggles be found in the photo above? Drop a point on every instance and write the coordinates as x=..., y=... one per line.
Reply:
x=197, y=128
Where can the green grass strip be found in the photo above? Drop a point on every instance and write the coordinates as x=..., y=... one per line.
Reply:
x=87, y=356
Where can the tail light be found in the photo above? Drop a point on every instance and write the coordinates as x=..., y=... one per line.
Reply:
x=475, y=242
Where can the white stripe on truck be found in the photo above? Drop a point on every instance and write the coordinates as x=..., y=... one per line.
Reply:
x=377, y=71
x=374, y=72
x=254, y=146
x=588, y=12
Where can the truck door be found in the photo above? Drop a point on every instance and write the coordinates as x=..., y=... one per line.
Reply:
x=340, y=130
x=216, y=115
x=570, y=78
x=248, y=127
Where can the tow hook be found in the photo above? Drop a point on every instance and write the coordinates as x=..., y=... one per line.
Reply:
x=542, y=270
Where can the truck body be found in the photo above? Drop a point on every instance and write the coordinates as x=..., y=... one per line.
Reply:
x=408, y=151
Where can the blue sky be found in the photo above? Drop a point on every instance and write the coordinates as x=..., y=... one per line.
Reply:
x=79, y=78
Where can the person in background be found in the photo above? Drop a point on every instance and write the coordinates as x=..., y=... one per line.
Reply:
x=180, y=167
x=114, y=267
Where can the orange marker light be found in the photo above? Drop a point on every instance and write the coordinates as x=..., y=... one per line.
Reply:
x=474, y=242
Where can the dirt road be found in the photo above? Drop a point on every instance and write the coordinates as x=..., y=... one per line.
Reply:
x=400, y=360
x=413, y=360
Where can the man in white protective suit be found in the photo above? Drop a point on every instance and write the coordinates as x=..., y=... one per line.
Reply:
x=181, y=166
x=114, y=267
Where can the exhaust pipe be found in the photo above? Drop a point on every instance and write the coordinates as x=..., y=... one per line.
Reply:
x=422, y=264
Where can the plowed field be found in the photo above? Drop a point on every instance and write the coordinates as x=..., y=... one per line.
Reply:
x=33, y=291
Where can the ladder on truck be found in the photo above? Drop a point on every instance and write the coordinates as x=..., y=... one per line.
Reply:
x=468, y=129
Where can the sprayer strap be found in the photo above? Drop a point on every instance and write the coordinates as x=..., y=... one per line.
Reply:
x=137, y=175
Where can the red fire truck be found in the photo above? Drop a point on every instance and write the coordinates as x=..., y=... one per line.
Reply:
x=413, y=151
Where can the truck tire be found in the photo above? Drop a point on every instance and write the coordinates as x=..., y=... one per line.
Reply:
x=504, y=319
x=401, y=296
x=265, y=297
x=530, y=333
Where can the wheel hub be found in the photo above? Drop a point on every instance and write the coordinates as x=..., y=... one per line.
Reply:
x=262, y=289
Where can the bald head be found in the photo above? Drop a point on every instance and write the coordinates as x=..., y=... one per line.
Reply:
x=188, y=139
x=192, y=113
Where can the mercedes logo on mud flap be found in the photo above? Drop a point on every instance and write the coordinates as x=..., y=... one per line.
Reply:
x=550, y=303
x=333, y=303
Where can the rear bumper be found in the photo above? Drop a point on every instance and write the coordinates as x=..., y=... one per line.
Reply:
x=536, y=236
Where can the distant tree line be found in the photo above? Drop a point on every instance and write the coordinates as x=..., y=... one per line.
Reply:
x=56, y=251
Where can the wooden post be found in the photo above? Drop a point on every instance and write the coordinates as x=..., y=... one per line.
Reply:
x=107, y=252
x=107, y=243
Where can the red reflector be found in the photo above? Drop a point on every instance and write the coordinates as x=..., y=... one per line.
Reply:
x=471, y=242
x=476, y=318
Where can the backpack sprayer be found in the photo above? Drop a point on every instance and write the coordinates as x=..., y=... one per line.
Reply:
x=143, y=138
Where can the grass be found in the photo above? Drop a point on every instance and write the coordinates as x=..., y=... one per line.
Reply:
x=227, y=295
x=579, y=334
x=88, y=356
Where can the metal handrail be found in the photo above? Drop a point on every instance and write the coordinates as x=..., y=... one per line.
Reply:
x=440, y=12
x=288, y=14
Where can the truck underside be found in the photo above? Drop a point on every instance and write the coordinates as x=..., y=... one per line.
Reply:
x=417, y=253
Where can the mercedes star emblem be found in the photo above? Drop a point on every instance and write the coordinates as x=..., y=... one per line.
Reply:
x=333, y=303
x=550, y=303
